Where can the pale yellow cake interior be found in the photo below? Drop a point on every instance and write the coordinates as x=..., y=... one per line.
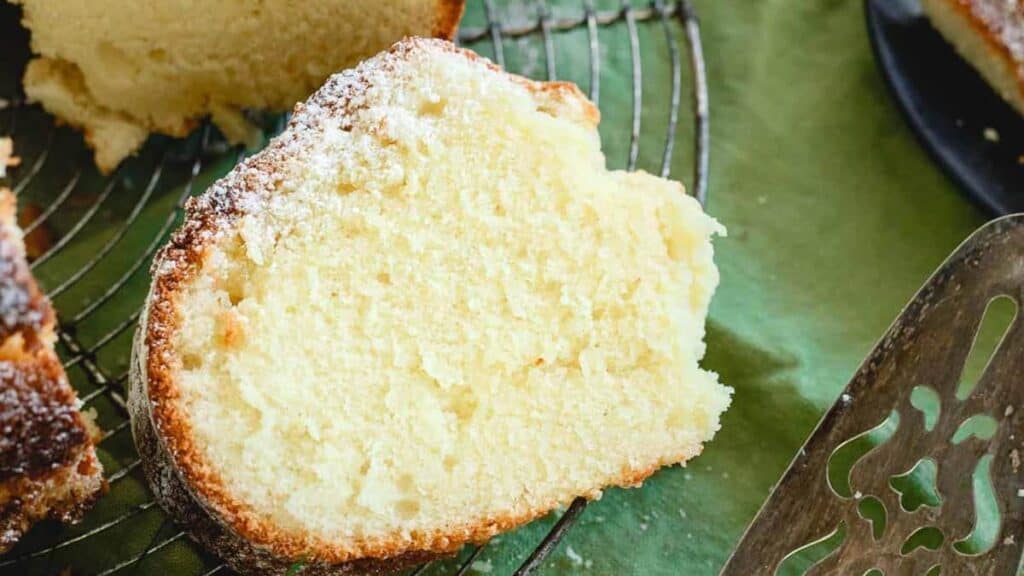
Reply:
x=448, y=314
x=121, y=69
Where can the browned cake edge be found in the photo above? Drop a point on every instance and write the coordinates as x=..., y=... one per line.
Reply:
x=66, y=488
x=184, y=484
x=980, y=45
x=55, y=474
x=449, y=13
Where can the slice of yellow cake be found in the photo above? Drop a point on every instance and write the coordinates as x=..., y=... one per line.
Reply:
x=426, y=314
x=48, y=463
x=121, y=69
x=989, y=34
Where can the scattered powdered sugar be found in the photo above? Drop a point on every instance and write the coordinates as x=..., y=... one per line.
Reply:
x=16, y=302
x=254, y=186
x=250, y=186
x=22, y=307
x=574, y=556
x=39, y=427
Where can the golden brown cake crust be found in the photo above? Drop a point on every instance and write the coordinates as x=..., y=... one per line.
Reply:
x=992, y=31
x=25, y=311
x=48, y=465
x=183, y=482
x=448, y=15
x=40, y=423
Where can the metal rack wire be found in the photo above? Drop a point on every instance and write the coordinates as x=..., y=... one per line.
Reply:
x=96, y=234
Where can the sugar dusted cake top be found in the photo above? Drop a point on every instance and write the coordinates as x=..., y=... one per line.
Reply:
x=425, y=314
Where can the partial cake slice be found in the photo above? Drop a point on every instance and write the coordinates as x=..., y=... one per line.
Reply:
x=122, y=69
x=48, y=464
x=989, y=34
x=426, y=314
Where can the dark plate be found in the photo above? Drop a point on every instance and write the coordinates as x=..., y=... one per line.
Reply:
x=949, y=106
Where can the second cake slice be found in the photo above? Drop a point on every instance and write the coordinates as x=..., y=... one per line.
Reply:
x=48, y=462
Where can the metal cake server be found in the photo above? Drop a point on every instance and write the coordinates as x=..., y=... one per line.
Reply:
x=913, y=471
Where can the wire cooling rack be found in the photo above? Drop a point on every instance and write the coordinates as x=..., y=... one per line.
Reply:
x=91, y=238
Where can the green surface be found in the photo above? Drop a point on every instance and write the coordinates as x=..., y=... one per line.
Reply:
x=835, y=215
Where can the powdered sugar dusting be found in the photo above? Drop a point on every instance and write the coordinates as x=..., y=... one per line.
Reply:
x=39, y=424
x=22, y=307
x=250, y=186
x=282, y=189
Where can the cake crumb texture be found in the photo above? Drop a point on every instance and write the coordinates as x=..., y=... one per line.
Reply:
x=48, y=464
x=120, y=70
x=429, y=313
